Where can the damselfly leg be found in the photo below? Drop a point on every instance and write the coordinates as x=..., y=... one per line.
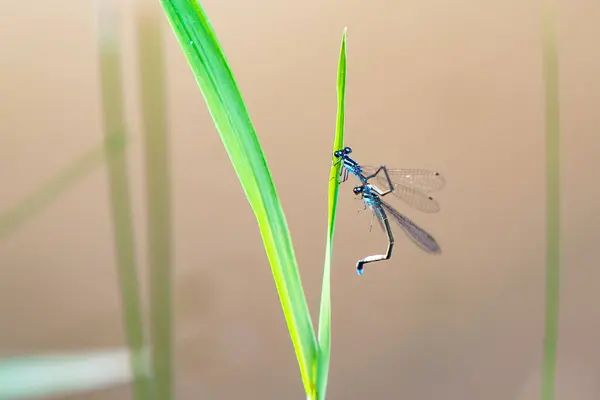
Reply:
x=387, y=177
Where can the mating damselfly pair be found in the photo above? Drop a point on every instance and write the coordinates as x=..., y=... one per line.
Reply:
x=409, y=185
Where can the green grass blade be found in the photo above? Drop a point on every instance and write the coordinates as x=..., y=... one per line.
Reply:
x=158, y=193
x=118, y=179
x=45, y=375
x=325, y=312
x=12, y=219
x=550, y=65
x=208, y=63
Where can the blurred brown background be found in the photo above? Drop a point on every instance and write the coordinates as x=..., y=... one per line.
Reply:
x=454, y=86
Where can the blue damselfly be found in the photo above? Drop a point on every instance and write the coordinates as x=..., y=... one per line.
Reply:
x=371, y=196
x=410, y=185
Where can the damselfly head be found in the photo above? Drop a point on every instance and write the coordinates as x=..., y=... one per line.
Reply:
x=358, y=189
x=342, y=152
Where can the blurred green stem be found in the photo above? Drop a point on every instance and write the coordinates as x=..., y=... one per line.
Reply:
x=118, y=178
x=550, y=65
x=158, y=193
x=47, y=193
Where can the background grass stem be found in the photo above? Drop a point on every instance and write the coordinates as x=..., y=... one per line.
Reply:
x=118, y=178
x=158, y=193
x=12, y=219
x=552, y=113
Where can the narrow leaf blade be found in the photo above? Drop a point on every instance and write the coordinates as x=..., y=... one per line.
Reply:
x=224, y=100
x=325, y=312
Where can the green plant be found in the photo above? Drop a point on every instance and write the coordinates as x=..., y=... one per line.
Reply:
x=230, y=116
x=325, y=311
x=43, y=196
x=111, y=84
x=158, y=195
x=59, y=374
x=550, y=65
x=62, y=373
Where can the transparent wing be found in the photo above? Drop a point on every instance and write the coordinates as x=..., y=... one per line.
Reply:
x=410, y=185
x=415, y=198
x=421, y=238
x=423, y=180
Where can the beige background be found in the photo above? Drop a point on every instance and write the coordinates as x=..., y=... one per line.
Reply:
x=454, y=86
